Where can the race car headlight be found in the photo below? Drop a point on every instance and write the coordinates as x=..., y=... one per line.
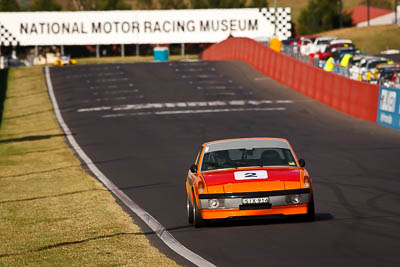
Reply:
x=294, y=199
x=215, y=203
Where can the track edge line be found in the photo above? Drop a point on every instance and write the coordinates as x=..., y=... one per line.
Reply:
x=146, y=217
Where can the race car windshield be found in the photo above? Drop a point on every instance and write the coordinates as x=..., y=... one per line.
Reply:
x=249, y=157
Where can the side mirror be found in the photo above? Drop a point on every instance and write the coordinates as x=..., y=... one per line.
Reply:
x=193, y=168
x=302, y=162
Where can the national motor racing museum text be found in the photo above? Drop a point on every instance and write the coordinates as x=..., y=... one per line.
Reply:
x=136, y=27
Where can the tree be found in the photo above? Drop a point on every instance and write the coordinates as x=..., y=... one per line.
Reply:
x=114, y=5
x=385, y=4
x=101, y=5
x=145, y=4
x=218, y=3
x=258, y=3
x=172, y=4
x=326, y=14
x=9, y=5
x=46, y=5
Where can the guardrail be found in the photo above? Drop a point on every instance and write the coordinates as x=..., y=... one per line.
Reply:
x=339, y=92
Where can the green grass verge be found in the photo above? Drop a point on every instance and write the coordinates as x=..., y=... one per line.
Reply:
x=52, y=212
x=130, y=59
x=371, y=40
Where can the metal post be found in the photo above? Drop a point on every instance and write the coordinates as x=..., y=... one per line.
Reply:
x=182, y=49
x=14, y=52
x=36, y=51
x=368, y=4
x=62, y=50
x=137, y=50
x=275, y=6
x=122, y=50
x=97, y=51
x=340, y=14
x=312, y=16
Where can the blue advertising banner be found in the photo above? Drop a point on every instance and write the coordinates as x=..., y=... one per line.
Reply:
x=389, y=108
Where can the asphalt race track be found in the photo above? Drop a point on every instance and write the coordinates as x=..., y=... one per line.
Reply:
x=142, y=125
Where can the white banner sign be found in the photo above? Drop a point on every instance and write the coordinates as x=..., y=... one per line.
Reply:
x=141, y=27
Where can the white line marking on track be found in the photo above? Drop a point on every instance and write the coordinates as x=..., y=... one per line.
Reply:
x=192, y=111
x=189, y=62
x=104, y=99
x=217, y=94
x=154, y=225
x=120, y=92
x=219, y=87
x=262, y=78
x=201, y=76
x=189, y=69
x=181, y=105
x=106, y=80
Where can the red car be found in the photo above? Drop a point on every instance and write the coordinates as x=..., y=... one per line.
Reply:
x=332, y=48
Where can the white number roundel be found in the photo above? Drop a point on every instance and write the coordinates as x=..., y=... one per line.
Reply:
x=247, y=175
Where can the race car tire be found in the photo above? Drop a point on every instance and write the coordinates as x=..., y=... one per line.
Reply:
x=197, y=220
x=189, y=208
x=310, y=216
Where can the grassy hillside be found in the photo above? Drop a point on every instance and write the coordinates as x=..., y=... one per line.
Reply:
x=371, y=40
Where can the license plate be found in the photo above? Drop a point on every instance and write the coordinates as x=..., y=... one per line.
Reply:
x=256, y=200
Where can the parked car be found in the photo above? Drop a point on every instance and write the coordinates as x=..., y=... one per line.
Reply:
x=380, y=68
x=290, y=44
x=64, y=60
x=389, y=78
x=370, y=66
x=305, y=44
x=332, y=48
x=354, y=65
x=320, y=44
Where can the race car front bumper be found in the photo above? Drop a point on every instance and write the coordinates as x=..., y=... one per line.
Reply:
x=285, y=202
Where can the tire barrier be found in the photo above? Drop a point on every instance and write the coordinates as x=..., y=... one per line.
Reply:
x=355, y=98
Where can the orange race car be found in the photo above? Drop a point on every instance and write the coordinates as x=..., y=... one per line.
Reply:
x=248, y=177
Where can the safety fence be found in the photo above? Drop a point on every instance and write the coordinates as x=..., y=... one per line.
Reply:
x=293, y=52
x=341, y=93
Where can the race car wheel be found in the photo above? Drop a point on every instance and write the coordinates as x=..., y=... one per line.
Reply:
x=197, y=220
x=310, y=216
x=189, y=208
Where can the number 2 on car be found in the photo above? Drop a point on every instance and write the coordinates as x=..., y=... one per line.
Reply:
x=246, y=175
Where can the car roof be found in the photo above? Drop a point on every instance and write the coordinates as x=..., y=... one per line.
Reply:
x=326, y=38
x=257, y=142
x=390, y=70
x=378, y=60
x=341, y=41
x=386, y=65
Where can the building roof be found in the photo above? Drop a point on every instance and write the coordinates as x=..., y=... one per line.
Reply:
x=359, y=13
